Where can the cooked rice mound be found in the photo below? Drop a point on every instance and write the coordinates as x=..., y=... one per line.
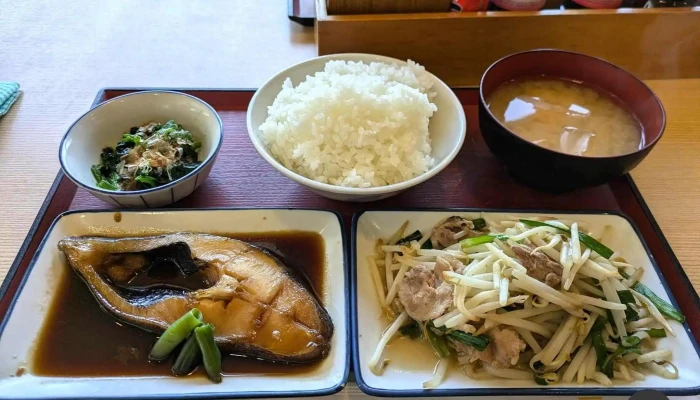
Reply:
x=354, y=124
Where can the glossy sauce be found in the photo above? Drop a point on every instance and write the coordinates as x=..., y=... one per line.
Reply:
x=566, y=116
x=78, y=338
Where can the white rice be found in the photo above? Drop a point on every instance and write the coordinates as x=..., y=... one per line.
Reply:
x=354, y=124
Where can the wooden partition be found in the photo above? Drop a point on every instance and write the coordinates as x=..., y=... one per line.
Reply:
x=660, y=43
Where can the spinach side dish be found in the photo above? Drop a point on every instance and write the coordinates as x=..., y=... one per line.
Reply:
x=147, y=156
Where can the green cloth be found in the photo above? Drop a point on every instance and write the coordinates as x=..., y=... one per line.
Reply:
x=9, y=92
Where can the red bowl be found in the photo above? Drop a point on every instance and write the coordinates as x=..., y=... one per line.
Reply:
x=550, y=170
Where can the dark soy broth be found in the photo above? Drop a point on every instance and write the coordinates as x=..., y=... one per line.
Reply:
x=79, y=338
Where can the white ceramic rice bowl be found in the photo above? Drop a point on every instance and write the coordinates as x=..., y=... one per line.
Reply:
x=448, y=128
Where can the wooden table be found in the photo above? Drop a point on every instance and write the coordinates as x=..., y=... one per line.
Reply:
x=63, y=52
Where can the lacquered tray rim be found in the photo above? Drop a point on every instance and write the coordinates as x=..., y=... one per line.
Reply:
x=204, y=396
x=541, y=391
x=39, y=219
x=688, y=285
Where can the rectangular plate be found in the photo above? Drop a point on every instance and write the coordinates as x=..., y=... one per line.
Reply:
x=407, y=380
x=28, y=310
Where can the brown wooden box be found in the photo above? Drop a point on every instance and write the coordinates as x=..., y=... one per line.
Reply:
x=661, y=43
x=339, y=7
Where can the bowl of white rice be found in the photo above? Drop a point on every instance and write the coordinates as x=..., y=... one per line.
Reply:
x=357, y=127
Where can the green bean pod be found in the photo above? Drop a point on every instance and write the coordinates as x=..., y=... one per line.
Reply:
x=175, y=334
x=189, y=357
x=210, y=352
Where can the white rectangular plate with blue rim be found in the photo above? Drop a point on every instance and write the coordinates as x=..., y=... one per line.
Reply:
x=20, y=329
x=411, y=363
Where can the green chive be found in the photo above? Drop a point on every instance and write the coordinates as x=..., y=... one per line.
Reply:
x=591, y=243
x=656, y=332
x=478, y=342
x=408, y=239
x=606, y=366
x=479, y=223
x=630, y=341
x=411, y=330
x=626, y=297
x=664, y=307
x=437, y=342
x=479, y=240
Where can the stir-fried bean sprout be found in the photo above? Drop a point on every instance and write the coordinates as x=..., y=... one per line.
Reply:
x=520, y=298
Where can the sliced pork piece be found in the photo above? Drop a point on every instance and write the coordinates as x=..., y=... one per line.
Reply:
x=423, y=294
x=503, y=350
x=507, y=347
x=448, y=263
x=539, y=266
x=443, y=234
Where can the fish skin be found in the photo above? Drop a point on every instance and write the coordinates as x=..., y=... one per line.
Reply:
x=270, y=315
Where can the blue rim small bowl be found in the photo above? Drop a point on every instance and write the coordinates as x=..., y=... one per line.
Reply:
x=104, y=125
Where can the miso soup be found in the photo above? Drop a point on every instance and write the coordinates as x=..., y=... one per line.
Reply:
x=566, y=116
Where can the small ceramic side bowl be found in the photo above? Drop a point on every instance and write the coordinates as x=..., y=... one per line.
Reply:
x=448, y=128
x=550, y=170
x=104, y=125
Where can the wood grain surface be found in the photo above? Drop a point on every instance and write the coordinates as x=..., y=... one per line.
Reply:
x=63, y=52
x=651, y=43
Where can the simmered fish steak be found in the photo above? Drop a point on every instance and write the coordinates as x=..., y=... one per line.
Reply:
x=258, y=306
